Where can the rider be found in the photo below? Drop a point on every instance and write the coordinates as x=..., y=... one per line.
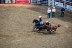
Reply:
x=48, y=23
x=40, y=20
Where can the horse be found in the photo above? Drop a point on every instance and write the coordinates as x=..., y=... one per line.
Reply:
x=51, y=28
x=37, y=25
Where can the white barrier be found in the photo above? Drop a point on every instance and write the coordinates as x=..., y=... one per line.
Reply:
x=38, y=2
x=60, y=4
x=9, y=1
x=71, y=8
x=57, y=3
x=33, y=1
x=68, y=7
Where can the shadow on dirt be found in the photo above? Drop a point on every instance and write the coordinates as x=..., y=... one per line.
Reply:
x=44, y=32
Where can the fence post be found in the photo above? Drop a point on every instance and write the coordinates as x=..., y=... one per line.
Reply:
x=53, y=3
x=64, y=3
x=49, y=1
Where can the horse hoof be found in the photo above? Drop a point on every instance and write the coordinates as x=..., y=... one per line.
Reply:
x=49, y=32
x=38, y=31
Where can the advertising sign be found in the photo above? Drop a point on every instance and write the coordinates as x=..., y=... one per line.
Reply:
x=60, y=4
x=57, y=3
x=22, y=1
x=68, y=7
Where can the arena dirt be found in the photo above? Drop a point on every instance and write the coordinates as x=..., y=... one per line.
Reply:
x=16, y=28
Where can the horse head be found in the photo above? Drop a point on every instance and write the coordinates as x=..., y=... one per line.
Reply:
x=35, y=21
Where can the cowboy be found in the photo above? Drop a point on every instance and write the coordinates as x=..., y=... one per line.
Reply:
x=48, y=12
x=40, y=20
x=48, y=23
x=62, y=12
x=53, y=12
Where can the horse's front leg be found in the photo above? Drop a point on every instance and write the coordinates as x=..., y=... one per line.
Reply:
x=33, y=28
x=39, y=30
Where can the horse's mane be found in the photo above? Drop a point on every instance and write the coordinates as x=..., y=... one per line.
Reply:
x=36, y=19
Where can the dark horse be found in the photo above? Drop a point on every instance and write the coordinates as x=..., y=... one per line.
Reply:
x=37, y=25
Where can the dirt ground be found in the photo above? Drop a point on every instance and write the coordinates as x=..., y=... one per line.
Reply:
x=16, y=27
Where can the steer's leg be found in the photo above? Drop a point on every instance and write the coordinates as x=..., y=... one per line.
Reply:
x=49, y=32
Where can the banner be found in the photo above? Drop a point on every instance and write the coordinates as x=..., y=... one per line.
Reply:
x=22, y=1
x=33, y=1
x=57, y=3
x=19, y=0
x=60, y=4
x=68, y=7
